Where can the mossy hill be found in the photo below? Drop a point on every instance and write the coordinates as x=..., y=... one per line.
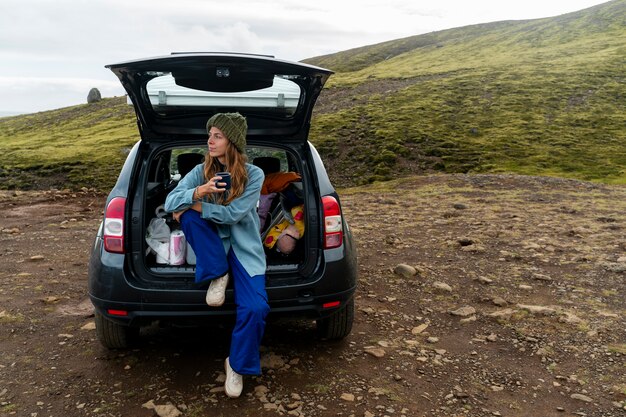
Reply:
x=541, y=97
x=545, y=96
x=73, y=147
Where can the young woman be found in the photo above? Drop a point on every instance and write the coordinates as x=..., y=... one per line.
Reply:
x=222, y=227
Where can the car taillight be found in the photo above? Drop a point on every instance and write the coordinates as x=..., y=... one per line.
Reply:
x=114, y=225
x=333, y=227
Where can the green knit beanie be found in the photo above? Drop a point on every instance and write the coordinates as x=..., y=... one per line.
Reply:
x=234, y=127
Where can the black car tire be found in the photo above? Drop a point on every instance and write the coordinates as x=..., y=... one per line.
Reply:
x=337, y=326
x=115, y=336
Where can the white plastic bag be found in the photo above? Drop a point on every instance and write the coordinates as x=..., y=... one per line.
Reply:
x=158, y=238
x=190, y=257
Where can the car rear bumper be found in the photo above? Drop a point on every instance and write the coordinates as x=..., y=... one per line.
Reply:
x=138, y=314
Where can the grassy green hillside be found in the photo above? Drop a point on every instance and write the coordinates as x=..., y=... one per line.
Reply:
x=541, y=97
x=79, y=146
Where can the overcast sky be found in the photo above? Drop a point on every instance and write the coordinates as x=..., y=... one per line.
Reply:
x=53, y=51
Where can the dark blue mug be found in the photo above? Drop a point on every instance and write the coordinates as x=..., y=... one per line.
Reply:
x=225, y=178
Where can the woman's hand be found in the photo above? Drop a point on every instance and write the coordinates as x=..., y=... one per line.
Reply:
x=210, y=187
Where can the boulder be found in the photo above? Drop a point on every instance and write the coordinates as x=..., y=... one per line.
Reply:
x=94, y=96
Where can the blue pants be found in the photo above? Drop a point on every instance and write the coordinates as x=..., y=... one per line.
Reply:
x=250, y=294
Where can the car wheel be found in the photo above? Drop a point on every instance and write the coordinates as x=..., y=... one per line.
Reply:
x=337, y=326
x=113, y=335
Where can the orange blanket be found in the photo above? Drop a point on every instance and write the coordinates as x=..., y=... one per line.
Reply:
x=278, y=181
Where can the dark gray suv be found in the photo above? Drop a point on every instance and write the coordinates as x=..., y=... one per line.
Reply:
x=130, y=284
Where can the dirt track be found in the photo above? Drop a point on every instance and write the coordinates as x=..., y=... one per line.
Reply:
x=511, y=303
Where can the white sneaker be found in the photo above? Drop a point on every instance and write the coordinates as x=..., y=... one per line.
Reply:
x=216, y=294
x=234, y=382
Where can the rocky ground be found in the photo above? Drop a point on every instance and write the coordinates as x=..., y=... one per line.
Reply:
x=479, y=296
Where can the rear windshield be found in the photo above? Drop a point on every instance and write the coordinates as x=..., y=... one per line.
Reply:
x=280, y=99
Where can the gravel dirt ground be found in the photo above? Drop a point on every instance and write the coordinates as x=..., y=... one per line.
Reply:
x=479, y=295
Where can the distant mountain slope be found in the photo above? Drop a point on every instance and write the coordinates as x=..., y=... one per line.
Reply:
x=521, y=34
x=543, y=96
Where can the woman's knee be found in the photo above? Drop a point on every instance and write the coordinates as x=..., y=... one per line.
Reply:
x=190, y=216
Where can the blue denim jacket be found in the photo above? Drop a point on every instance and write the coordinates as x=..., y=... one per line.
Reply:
x=237, y=223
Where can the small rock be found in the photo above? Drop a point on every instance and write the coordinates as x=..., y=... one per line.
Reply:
x=465, y=241
x=167, y=410
x=546, y=311
x=51, y=299
x=404, y=270
x=432, y=339
x=272, y=361
x=542, y=277
x=464, y=311
x=570, y=318
x=376, y=352
x=502, y=314
x=468, y=319
x=368, y=414
x=270, y=406
x=485, y=280
x=419, y=329
x=37, y=258
x=347, y=397
x=499, y=301
x=294, y=405
x=442, y=286
x=368, y=310
x=525, y=287
x=473, y=248
x=581, y=397
x=531, y=245
x=261, y=390
x=89, y=326
x=459, y=206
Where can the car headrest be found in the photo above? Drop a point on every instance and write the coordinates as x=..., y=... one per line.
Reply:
x=187, y=161
x=268, y=164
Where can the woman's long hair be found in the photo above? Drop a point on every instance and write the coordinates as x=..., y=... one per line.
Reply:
x=236, y=165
